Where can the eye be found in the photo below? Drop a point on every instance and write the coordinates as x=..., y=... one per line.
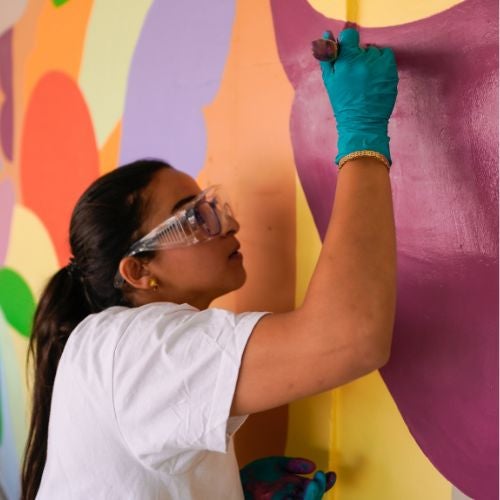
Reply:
x=208, y=218
x=228, y=210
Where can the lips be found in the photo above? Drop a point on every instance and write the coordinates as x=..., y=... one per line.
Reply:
x=234, y=252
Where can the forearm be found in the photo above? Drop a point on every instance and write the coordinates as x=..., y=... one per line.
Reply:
x=354, y=284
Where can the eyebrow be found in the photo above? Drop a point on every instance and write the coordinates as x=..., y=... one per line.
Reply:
x=183, y=201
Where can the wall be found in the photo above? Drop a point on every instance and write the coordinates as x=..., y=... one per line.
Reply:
x=229, y=93
x=444, y=140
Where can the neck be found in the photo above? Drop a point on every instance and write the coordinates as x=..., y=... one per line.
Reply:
x=201, y=302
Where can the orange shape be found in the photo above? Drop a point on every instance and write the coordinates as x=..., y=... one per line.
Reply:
x=250, y=115
x=45, y=39
x=57, y=39
x=59, y=155
x=110, y=151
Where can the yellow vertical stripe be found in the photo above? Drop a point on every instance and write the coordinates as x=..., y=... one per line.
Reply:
x=352, y=10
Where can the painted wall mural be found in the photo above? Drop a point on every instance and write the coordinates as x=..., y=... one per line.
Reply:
x=444, y=142
x=230, y=93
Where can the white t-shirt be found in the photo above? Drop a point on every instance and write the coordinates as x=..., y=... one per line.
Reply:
x=140, y=406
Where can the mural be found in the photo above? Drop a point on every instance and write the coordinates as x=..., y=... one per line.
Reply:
x=231, y=94
x=444, y=147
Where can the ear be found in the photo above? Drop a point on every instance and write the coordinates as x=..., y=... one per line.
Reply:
x=135, y=272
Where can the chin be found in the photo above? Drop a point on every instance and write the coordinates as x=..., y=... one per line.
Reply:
x=235, y=281
x=240, y=280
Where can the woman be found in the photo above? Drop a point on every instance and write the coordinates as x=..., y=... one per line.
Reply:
x=144, y=384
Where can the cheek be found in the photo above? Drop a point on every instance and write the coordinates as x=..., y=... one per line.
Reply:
x=193, y=265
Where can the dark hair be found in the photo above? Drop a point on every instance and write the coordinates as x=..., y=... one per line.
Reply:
x=105, y=222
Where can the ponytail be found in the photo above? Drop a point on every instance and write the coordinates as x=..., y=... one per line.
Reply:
x=62, y=306
x=104, y=223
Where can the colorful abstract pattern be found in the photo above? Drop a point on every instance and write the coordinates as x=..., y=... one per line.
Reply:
x=444, y=137
x=228, y=92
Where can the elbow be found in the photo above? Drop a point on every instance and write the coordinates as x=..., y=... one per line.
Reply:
x=382, y=357
x=376, y=355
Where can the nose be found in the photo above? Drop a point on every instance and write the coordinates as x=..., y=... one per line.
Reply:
x=231, y=225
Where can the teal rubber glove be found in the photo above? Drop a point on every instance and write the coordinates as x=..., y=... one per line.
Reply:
x=277, y=478
x=362, y=87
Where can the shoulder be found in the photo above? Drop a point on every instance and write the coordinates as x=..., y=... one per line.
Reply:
x=172, y=316
x=100, y=334
x=169, y=323
x=119, y=318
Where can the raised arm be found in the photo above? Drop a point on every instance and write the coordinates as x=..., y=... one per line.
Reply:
x=344, y=328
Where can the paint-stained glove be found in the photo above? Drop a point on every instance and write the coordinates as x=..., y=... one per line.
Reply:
x=362, y=87
x=277, y=478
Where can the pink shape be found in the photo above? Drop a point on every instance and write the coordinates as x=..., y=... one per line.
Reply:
x=7, y=200
x=58, y=155
x=443, y=373
x=7, y=108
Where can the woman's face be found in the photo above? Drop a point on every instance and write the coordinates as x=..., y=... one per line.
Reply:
x=195, y=274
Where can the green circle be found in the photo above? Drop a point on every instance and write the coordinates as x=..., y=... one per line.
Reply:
x=16, y=301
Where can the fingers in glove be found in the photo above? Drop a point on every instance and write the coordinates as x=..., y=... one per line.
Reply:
x=331, y=478
x=300, y=465
x=325, y=50
x=315, y=488
x=349, y=43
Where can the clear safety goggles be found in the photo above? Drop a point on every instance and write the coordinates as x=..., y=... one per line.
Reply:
x=203, y=218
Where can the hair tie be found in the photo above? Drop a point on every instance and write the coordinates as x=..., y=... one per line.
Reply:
x=72, y=268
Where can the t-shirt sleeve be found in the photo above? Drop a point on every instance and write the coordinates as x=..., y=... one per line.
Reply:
x=174, y=377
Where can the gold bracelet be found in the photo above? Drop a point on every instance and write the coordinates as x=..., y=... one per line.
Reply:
x=364, y=153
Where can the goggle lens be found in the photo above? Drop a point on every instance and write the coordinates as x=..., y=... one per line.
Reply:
x=208, y=218
x=205, y=217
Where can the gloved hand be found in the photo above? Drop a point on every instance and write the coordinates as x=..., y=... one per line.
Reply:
x=362, y=87
x=277, y=478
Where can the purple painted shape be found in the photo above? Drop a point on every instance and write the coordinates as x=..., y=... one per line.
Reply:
x=176, y=70
x=443, y=372
x=7, y=199
x=7, y=107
